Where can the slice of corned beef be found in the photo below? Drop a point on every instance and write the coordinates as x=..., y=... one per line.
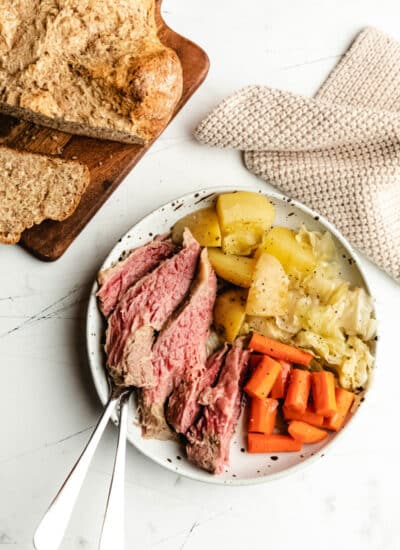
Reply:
x=183, y=405
x=210, y=437
x=144, y=309
x=117, y=279
x=180, y=348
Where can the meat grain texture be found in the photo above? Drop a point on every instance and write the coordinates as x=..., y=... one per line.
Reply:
x=210, y=437
x=144, y=308
x=183, y=404
x=180, y=356
x=115, y=280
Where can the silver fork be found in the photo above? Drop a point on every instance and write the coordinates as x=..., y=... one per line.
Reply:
x=51, y=529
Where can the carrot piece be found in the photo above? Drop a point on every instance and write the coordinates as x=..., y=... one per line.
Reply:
x=263, y=378
x=323, y=391
x=305, y=433
x=298, y=391
x=278, y=350
x=308, y=416
x=275, y=443
x=279, y=388
x=262, y=415
x=344, y=401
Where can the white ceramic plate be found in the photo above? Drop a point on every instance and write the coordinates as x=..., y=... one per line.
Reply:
x=244, y=468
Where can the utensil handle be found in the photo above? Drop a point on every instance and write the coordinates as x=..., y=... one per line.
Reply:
x=51, y=529
x=112, y=534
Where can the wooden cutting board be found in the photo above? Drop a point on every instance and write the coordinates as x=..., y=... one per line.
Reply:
x=109, y=162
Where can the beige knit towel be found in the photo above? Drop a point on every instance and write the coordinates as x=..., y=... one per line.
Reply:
x=338, y=152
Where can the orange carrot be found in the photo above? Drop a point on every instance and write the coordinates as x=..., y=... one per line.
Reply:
x=308, y=416
x=298, y=391
x=305, y=433
x=323, y=392
x=344, y=401
x=279, y=388
x=262, y=415
x=263, y=378
x=278, y=350
x=275, y=443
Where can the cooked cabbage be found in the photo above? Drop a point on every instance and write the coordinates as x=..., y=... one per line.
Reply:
x=322, y=244
x=357, y=364
x=299, y=306
x=325, y=316
x=357, y=315
x=331, y=350
x=267, y=327
x=323, y=282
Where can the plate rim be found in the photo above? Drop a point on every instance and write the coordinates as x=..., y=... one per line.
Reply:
x=215, y=479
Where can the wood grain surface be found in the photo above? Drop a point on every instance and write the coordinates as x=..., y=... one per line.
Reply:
x=109, y=162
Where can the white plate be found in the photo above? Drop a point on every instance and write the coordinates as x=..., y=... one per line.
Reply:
x=244, y=468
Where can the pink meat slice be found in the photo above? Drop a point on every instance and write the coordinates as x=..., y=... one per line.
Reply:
x=117, y=279
x=179, y=349
x=183, y=404
x=144, y=309
x=210, y=437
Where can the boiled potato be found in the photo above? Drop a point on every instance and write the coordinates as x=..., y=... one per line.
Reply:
x=243, y=218
x=242, y=242
x=295, y=257
x=204, y=227
x=235, y=269
x=230, y=312
x=268, y=293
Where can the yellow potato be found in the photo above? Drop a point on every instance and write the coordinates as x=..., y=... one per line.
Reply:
x=243, y=218
x=235, y=269
x=230, y=311
x=204, y=227
x=294, y=256
x=242, y=242
x=268, y=293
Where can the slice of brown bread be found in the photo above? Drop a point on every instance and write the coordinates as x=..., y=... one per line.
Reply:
x=36, y=187
x=91, y=67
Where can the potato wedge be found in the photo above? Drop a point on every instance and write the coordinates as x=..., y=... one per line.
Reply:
x=268, y=293
x=230, y=312
x=237, y=270
x=203, y=225
x=243, y=218
x=281, y=243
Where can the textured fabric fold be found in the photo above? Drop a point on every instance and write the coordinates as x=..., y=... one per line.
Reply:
x=338, y=152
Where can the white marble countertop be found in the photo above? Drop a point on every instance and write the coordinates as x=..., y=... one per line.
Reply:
x=349, y=499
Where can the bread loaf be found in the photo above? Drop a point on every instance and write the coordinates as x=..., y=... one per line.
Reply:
x=91, y=67
x=36, y=187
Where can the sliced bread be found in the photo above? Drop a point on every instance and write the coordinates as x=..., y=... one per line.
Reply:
x=36, y=187
x=90, y=67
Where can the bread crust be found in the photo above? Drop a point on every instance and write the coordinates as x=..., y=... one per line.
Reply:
x=35, y=187
x=90, y=67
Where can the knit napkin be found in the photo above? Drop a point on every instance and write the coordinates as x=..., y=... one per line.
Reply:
x=338, y=152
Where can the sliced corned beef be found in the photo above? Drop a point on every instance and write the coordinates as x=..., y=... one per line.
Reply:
x=117, y=279
x=183, y=404
x=144, y=309
x=180, y=348
x=210, y=437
